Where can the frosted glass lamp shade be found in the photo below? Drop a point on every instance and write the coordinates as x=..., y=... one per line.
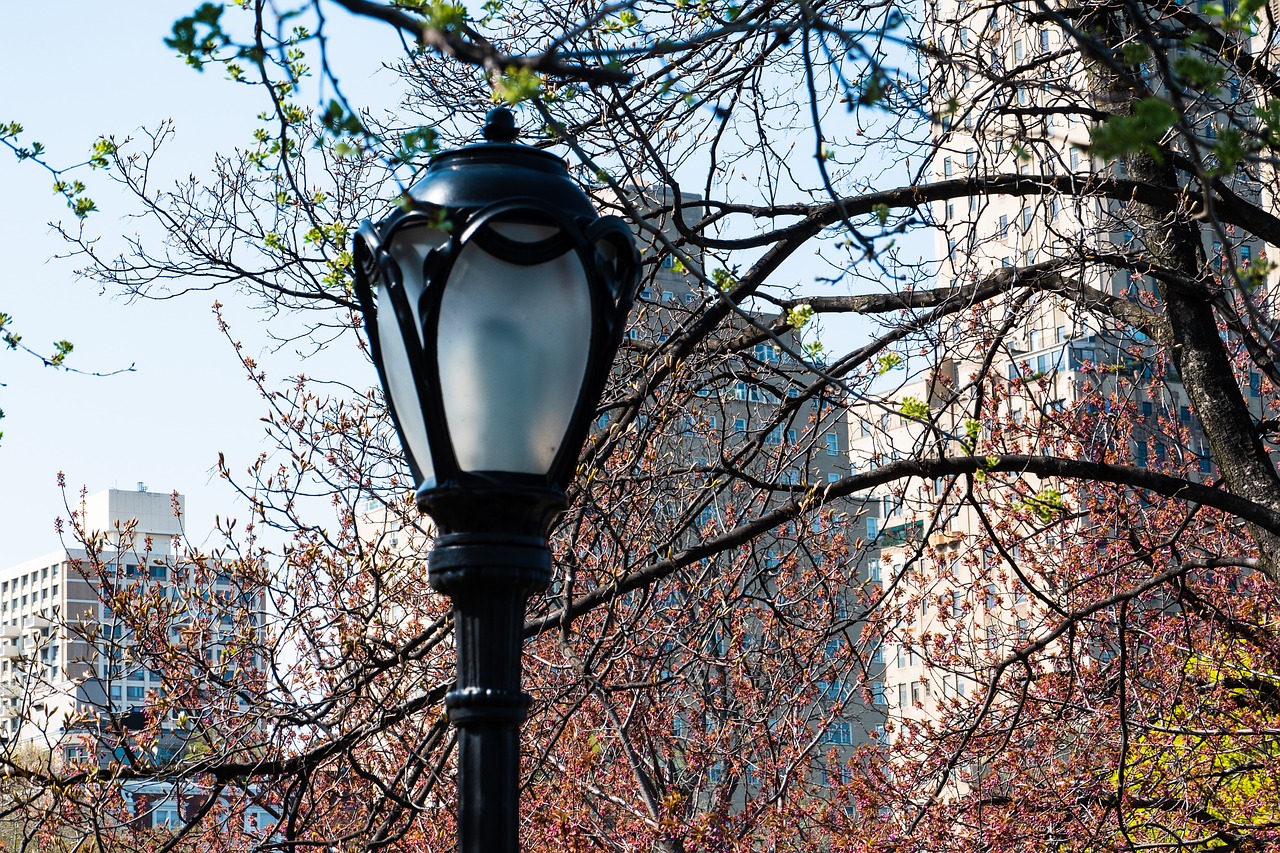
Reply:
x=512, y=348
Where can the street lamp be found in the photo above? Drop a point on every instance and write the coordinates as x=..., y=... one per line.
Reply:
x=494, y=299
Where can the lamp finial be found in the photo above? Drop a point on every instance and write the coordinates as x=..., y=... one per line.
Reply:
x=500, y=125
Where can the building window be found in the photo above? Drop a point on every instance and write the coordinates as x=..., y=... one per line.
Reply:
x=833, y=444
x=840, y=732
x=767, y=353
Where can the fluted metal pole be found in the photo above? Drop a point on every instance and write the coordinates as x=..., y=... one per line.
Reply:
x=489, y=574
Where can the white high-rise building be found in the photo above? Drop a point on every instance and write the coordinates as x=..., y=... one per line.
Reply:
x=67, y=660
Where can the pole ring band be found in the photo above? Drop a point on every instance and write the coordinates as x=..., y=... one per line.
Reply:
x=482, y=705
x=456, y=566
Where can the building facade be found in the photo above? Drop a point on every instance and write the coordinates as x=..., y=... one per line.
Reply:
x=78, y=685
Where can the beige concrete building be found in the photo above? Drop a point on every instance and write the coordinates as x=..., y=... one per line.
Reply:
x=1009, y=90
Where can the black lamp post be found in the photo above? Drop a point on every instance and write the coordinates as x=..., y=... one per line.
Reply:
x=494, y=300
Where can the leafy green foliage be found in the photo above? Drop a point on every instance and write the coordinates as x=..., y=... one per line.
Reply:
x=1230, y=148
x=440, y=14
x=723, y=280
x=517, y=85
x=625, y=21
x=100, y=154
x=914, y=408
x=798, y=316
x=872, y=88
x=1130, y=134
x=1191, y=70
x=416, y=144
x=1242, y=18
x=9, y=133
x=1269, y=115
x=71, y=190
x=198, y=36
x=1045, y=505
x=1135, y=53
x=338, y=119
x=886, y=362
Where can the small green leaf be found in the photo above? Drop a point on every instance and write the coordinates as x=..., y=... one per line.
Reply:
x=915, y=408
x=798, y=316
x=886, y=362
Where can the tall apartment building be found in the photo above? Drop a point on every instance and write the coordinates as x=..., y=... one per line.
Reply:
x=1014, y=97
x=744, y=412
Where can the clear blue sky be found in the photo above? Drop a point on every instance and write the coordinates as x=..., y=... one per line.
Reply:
x=69, y=72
